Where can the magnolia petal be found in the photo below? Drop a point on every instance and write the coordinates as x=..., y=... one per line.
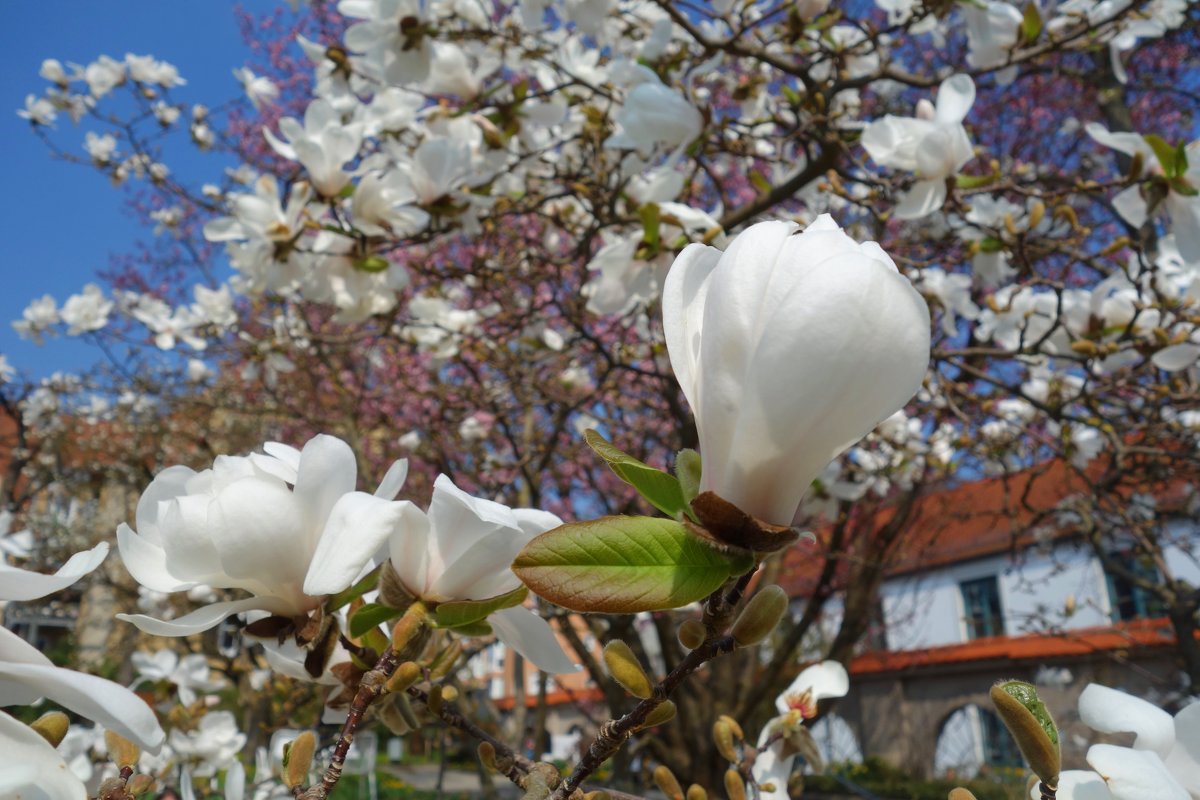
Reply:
x=1184, y=759
x=1134, y=774
x=288, y=659
x=147, y=562
x=1112, y=711
x=408, y=548
x=924, y=198
x=20, y=584
x=955, y=97
x=1127, y=143
x=1077, y=784
x=1176, y=357
x=462, y=521
x=1131, y=206
x=33, y=770
x=683, y=299
x=534, y=521
x=167, y=485
x=825, y=679
x=327, y=471
x=199, y=620
x=358, y=526
x=393, y=481
x=532, y=637
x=26, y=675
x=483, y=571
x=770, y=767
x=1185, y=221
x=235, y=781
x=259, y=530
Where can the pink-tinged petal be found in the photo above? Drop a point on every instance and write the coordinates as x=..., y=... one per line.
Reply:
x=532, y=637
x=26, y=675
x=327, y=471
x=393, y=481
x=683, y=299
x=771, y=768
x=33, y=770
x=825, y=679
x=408, y=548
x=197, y=621
x=1112, y=711
x=484, y=570
x=1134, y=774
x=147, y=562
x=1077, y=784
x=955, y=97
x=358, y=526
x=21, y=585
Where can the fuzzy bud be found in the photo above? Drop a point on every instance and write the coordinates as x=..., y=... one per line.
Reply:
x=733, y=725
x=735, y=787
x=52, y=727
x=663, y=713
x=1029, y=722
x=405, y=676
x=140, y=784
x=297, y=759
x=449, y=694
x=691, y=633
x=696, y=792
x=446, y=660
x=760, y=616
x=624, y=668
x=959, y=793
x=1036, y=212
x=411, y=632
x=123, y=752
x=723, y=738
x=665, y=779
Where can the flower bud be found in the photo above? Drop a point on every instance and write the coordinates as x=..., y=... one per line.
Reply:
x=140, y=784
x=696, y=792
x=760, y=616
x=405, y=676
x=123, y=752
x=297, y=759
x=663, y=712
x=52, y=727
x=624, y=668
x=735, y=787
x=1036, y=212
x=599, y=794
x=959, y=793
x=411, y=631
x=733, y=726
x=723, y=738
x=435, y=699
x=1029, y=722
x=691, y=633
x=445, y=660
x=449, y=694
x=665, y=779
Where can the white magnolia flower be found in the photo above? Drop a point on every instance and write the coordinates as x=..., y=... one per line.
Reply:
x=1163, y=763
x=653, y=114
x=87, y=311
x=993, y=29
x=1184, y=210
x=103, y=75
x=212, y=746
x=27, y=675
x=286, y=526
x=934, y=145
x=826, y=679
x=100, y=148
x=789, y=347
x=461, y=550
x=323, y=143
x=187, y=674
x=259, y=90
x=33, y=769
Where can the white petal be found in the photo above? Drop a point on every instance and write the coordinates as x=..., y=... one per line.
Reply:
x=261, y=533
x=408, y=548
x=20, y=584
x=532, y=637
x=460, y=521
x=393, y=481
x=484, y=570
x=771, y=768
x=33, y=770
x=235, y=781
x=327, y=471
x=1130, y=205
x=167, y=485
x=1077, y=784
x=26, y=675
x=1134, y=774
x=1112, y=711
x=199, y=620
x=954, y=99
x=826, y=679
x=683, y=298
x=1176, y=357
x=924, y=198
x=358, y=526
x=1127, y=143
x=146, y=561
x=1185, y=220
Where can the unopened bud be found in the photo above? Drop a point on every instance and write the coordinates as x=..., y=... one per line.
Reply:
x=1009, y=224
x=449, y=694
x=411, y=631
x=959, y=793
x=140, y=784
x=392, y=591
x=405, y=676
x=733, y=725
x=663, y=713
x=435, y=699
x=1029, y=721
x=760, y=616
x=723, y=739
x=406, y=711
x=1036, y=212
x=696, y=792
x=446, y=660
x=691, y=633
x=123, y=752
x=487, y=755
x=735, y=787
x=297, y=759
x=624, y=668
x=1085, y=347
x=1067, y=213
x=665, y=779
x=52, y=727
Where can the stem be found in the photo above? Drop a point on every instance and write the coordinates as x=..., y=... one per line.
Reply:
x=368, y=689
x=1048, y=792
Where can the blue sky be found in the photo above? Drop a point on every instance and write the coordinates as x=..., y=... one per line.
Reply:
x=60, y=222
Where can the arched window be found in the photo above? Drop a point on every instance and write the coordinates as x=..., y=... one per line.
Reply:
x=970, y=738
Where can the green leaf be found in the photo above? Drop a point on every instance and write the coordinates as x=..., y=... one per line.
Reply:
x=1181, y=160
x=650, y=224
x=687, y=470
x=1181, y=186
x=347, y=596
x=623, y=565
x=474, y=629
x=760, y=182
x=371, y=615
x=990, y=244
x=1031, y=23
x=372, y=264
x=973, y=181
x=659, y=488
x=458, y=613
x=1164, y=152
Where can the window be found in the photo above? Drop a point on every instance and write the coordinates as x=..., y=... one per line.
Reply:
x=999, y=747
x=981, y=604
x=1127, y=599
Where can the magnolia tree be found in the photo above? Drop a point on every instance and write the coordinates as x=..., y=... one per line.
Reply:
x=446, y=244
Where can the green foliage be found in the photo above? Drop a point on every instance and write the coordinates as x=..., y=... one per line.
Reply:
x=371, y=615
x=621, y=565
x=660, y=489
x=462, y=613
x=884, y=780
